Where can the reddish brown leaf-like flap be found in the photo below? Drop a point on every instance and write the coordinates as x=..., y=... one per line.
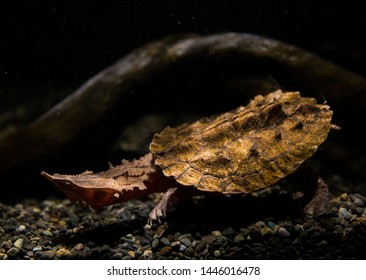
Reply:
x=118, y=184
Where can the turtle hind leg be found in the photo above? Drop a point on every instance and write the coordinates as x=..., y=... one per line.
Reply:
x=319, y=204
x=312, y=192
x=169, y=199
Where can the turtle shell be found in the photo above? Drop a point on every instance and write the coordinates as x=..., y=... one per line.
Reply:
x=247, y=149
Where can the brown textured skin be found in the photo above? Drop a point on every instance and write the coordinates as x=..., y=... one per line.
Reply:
x=246, y=149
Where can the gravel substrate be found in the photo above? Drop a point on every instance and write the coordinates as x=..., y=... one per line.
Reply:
x=212, y=227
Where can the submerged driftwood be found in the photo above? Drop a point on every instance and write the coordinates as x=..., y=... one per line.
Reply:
x=110, y=99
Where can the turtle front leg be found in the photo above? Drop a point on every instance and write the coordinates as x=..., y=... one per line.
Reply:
x=169, y=199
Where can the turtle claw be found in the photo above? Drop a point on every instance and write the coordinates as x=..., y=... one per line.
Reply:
x=155, y=215
x=160, y=210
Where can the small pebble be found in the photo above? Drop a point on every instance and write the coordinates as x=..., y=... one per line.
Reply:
x=357, y=201
x=19, y=243
x=131, y=254
x=283, y=233
x=138, y=253
x=62, y=252
x=186, y=242
x=124, y=252
x=13, y=252
x=7, y=244
x=228, y=231
x=271, y=224
x=177, y=235
x=344, y=196
x=47, y=233
x=315, y=235
x=290, y=227
x=217, y=254
x=195, y=243
x=201, y=246
x=147, y=253
x=182, y=247
x=170, y=237
x=339, y=230
x=111, y=220
x=216, y=233
x=323, y=243
x=266, y=231
x=344, y=213
x=348, y=229
x=78, y=247
x=299, y=227
x=105, y=249
x=165, y=251
x=37, y=249
x=22, y=228
x=308, y=225
x=208, y=239
x=45, y=255
x=155, y=243
x=117, y=256
x=127, y=245
x=260, y=224
x=175, y=245
x=190, y=252
x=165, y=241
x=128, y=238
x=239, y=238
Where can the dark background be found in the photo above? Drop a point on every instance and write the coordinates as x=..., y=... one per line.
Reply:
x=68, y=42
x=48, y=49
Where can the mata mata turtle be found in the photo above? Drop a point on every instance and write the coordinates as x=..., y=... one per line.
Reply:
x=241, y=151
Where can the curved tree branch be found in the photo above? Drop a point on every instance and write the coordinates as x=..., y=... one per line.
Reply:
x=104, y=93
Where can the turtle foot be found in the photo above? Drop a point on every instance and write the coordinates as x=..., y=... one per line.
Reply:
x=319, y=203
x=310, y=192
x=167, y=201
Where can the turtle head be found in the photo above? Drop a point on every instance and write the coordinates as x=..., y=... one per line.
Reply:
x=88, y=189
x=118, y=184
